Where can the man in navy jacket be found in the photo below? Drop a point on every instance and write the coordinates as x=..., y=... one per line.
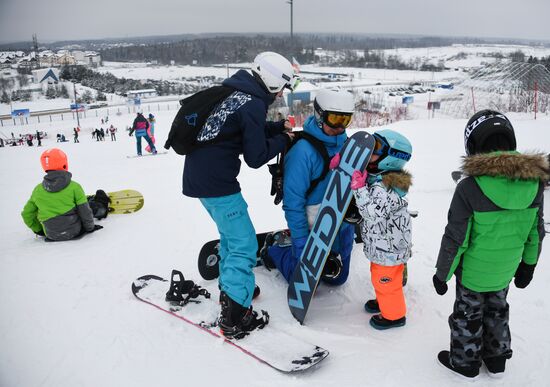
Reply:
x=210, y=174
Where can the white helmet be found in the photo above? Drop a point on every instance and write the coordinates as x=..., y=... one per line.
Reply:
x=334, y=108
x=274, y=70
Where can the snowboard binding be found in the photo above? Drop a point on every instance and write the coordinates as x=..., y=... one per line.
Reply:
x=183, y=291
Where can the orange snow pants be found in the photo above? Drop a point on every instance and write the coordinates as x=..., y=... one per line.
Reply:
x=388, y=286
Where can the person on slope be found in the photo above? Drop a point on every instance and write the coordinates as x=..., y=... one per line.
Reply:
x=210, y=174
x=58, y=208
x=304, y=165
x=386, y=228
x=494, y=234
x=140, y=127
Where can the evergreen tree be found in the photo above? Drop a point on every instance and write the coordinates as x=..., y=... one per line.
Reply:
x=51, y=93
x=5, y=98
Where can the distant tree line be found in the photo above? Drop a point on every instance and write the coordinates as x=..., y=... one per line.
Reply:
x=108, y=83
x=238, y=49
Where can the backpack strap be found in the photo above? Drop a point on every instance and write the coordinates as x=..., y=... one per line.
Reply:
x=320, y=148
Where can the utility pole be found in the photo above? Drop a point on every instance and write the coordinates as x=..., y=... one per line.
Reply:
x=291, y=2
x=76, y=105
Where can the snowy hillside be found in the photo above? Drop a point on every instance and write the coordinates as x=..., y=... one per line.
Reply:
x=68, y=317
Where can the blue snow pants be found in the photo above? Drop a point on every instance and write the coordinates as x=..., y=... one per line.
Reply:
x=286, y=261
x=238, y=246
x=147, y=138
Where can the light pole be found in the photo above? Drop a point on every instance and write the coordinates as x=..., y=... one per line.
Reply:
x=76, y=105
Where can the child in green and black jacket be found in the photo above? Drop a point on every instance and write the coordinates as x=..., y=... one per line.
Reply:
x=58, y=207
x=494, y=233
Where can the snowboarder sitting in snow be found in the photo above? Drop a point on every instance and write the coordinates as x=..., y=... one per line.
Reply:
x=141, y=126
x=58, y=207
x=303, y=165
x=210, y=174
x=494, y=233
x=386, y=228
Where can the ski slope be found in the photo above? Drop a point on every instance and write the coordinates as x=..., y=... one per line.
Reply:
x=68, y=317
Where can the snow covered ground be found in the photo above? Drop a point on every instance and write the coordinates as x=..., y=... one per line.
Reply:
x=68, y=317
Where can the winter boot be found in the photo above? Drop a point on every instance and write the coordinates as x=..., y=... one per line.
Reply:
x=371, y=306
x=444, y=358
x=333, y=267
x=495, y=366
x=380, y=323
x=236, y=321
x=280, y=238
x=99, y=204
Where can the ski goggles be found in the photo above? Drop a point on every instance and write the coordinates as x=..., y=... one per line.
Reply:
x=382, y=148
x=337, y=120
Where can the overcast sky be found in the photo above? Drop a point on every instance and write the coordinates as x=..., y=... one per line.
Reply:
x=87, y=19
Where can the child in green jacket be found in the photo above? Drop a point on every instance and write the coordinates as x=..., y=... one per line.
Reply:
x=58, y=207
x=494, y=233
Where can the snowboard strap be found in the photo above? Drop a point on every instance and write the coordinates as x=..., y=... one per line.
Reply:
x=182, y=291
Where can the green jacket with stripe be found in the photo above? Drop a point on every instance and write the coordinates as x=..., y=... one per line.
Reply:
x=58, y=207
x=495, y=220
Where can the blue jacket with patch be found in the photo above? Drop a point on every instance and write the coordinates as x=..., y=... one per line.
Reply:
x=302, y=165
x=212, y=170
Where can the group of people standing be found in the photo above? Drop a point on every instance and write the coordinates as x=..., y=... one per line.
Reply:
x=494, y=234
x=99, y=134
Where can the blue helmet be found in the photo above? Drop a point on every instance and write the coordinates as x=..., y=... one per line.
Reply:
x=394, y=150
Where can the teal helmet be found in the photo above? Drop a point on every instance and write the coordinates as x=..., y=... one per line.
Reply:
x=393, y=148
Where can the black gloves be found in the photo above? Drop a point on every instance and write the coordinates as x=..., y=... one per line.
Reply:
x=524, y=275
x=96, y=227
x=440, y=286
x=276, y=172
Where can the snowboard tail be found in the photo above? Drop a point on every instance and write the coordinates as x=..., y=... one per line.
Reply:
x=209, y=256
x=270, y=346
x=125, y=201
x=355, y=155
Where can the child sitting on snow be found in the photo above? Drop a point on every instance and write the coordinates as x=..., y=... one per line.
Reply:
x=386, y=228
x=58, y=207
x=494, y=233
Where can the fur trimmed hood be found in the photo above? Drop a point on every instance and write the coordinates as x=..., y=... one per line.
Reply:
x=402, y=180
x=512, y=165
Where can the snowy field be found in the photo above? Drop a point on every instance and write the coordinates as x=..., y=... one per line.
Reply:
x=68, y=317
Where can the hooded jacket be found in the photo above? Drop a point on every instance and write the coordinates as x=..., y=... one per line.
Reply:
x=386, y=227
x=58, y=207
x=212, y=170
x=495, y=220
x=140, y=126
x=303, y=163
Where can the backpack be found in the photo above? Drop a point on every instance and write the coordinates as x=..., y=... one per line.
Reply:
x=277, y=170
x=191, y=117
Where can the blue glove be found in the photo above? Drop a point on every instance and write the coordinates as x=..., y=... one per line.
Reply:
x=298, y=245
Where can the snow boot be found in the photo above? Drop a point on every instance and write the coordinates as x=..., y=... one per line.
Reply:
x=380, y=323
x=495, y=366
x=99, y=204
x=183, y=291
x=236, y=321
x=444, y=358
x=333, y=267
x=371, y=306
x=280, y=238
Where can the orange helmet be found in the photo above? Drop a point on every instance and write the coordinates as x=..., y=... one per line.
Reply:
x=54, y=160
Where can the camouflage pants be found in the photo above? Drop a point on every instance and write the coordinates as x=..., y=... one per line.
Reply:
x=479, y=327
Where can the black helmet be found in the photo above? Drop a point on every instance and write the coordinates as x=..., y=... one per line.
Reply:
x=488, y=131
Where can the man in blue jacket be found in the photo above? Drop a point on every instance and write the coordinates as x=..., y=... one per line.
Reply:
x=302, y=165
x=210, y=174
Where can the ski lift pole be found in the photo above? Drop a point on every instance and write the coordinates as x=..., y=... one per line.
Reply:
x=536, y=93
